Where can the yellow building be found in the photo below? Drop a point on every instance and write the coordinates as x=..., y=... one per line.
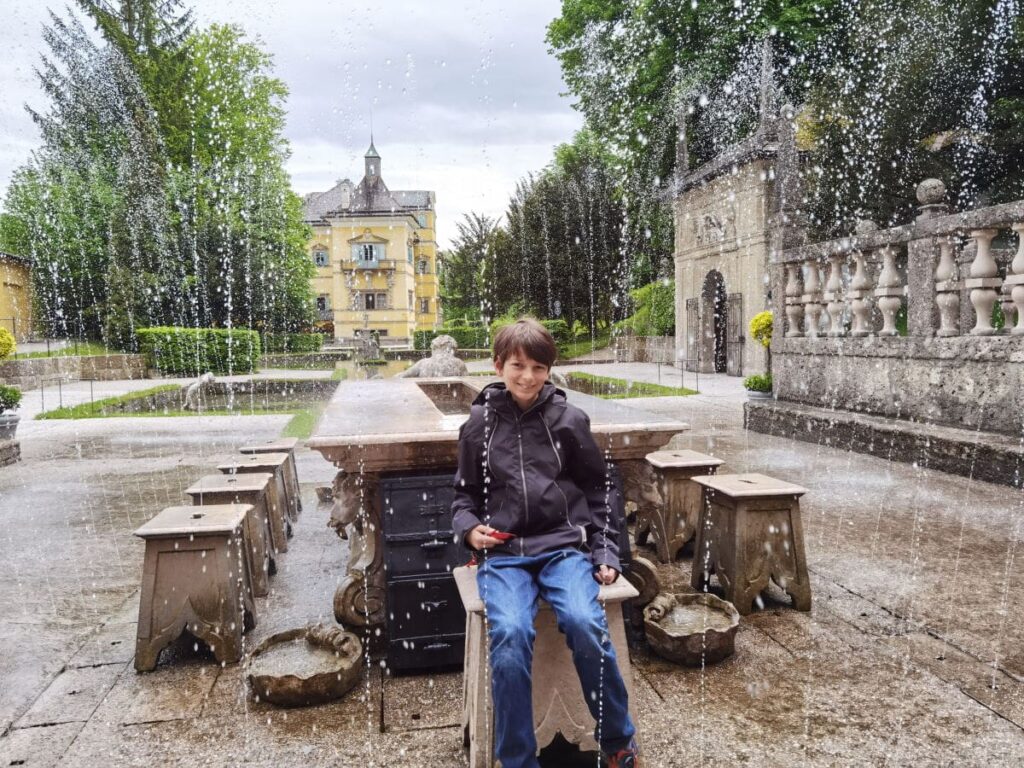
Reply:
x=16, y=295
x=376, y=257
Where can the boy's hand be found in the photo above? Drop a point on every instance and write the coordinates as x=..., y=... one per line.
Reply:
x=606, y=575
x=480, y=538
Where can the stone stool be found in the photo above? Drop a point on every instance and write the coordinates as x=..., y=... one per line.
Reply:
x=676, y=522
x=195, y=577
x=272, y=463
x=291, y=476
x=252, y=489
x=558, y=703
x=750, y=532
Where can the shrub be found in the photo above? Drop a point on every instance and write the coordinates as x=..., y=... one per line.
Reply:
x=759, y=382
x=193, y=351
x=558, y=328
x=466, y=336
x=761, y=326
x=655, y=313
x=7, y=344
x=10, y=398
x=293, y=342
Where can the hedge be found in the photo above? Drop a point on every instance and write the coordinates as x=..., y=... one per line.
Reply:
x=558, y=328
x=293, y=342
x=467, y=337
x=194, y=351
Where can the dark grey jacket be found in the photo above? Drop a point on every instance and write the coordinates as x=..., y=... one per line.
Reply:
x=537, y=474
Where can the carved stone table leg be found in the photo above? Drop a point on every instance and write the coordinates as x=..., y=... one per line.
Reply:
x=359, y=600
x=677, y=519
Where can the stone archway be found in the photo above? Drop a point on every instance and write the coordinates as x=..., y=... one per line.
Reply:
x=714, y=311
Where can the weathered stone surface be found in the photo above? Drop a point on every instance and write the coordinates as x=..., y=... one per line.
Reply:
x=72, y=697
x=702, y=642
x=422, y=701
x=27, y=373
x=994, y=458
x=111, y=644
x=39, y=747
x=174, y=692
x=10, y=452
x=961, y=381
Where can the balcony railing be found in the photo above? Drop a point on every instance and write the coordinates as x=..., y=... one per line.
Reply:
x=352, y=266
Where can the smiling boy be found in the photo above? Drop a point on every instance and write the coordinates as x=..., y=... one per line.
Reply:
x=534, y=499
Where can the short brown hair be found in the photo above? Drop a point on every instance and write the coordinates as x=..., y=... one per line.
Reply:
x=527, y=337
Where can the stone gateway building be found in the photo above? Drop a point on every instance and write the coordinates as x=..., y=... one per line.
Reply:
x=376, y=258
x=16, y=295
x=725, y=213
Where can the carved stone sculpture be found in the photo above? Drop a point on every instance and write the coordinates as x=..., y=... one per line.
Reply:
x=359, y=600
x=442, y=362
x=195, y=390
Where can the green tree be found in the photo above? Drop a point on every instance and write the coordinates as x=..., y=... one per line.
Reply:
x=462, y=276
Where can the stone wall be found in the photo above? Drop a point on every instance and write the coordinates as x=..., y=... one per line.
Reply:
x=10, y=452
x=969, y=382
x=645, y=349
x=28, y=373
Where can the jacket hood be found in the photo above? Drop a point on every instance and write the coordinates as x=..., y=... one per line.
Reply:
x=497, y=395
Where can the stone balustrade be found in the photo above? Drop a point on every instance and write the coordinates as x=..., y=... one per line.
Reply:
x=874, y=275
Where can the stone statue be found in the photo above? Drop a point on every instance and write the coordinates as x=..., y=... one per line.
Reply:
x=442, y=362
x=195, y=389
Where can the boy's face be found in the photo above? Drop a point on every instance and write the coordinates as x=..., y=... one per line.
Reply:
x=523, y=377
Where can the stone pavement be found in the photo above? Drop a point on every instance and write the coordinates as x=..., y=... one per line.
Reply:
x=913, y=653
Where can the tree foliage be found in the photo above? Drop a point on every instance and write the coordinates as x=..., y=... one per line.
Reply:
x=461, y=278
x=559, y=254
x=159, y=194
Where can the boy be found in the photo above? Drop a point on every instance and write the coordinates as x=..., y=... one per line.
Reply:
x=533, y=499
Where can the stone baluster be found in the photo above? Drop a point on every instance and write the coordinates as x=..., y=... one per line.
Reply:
x=889, y=291
x=833, y=286
x=984, y=282
x=860, y=293
x=1016, y=280
x=794, y=309
x=812, y=299
x=947, y=290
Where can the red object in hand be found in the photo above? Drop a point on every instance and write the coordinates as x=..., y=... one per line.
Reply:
x=501, y=535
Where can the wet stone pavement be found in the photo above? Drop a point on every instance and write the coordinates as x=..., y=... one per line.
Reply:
x=913, y=653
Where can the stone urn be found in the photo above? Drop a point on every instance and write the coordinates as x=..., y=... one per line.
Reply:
x=305, y=666
x=691, y=629
x=8, y=425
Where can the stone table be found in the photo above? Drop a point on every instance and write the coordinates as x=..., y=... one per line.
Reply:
x=403, y=426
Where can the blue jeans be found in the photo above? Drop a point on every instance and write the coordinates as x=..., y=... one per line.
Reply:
x=509, y=586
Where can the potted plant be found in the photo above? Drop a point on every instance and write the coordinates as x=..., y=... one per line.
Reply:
x=759, y=386
x=10, y=399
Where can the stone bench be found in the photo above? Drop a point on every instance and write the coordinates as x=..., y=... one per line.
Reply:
x=195, y=578
x=275, y=464
x=558, y=703
x=291, y=476
x=750, y=532
x=255, y=490
x=675, y=522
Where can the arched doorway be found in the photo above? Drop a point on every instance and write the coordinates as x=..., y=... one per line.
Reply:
x=715, y=323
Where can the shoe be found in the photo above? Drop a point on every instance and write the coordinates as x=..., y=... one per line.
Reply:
x=626, y=758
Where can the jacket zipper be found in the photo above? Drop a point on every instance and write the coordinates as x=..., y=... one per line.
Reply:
x=552, y=441
x=522, y=473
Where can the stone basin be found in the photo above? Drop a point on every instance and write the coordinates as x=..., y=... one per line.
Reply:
x=304, y=666
x=398, y=424
x=691, y=629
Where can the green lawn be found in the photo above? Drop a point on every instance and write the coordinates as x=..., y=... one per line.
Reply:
x=617, y=389
x=99, y=409
x=303, y=422
x=586, y=345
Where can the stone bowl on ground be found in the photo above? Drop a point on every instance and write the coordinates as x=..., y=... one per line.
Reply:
x=305, y=666
x=691, y=629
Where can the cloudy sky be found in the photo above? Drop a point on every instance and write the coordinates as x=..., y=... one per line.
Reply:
x=464, y=96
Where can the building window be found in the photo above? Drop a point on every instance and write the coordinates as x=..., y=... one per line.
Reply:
x=424, y=306
x=423, y=267
x=320, y=258
x=412, y=300
x=323, y=302
x=370, y=301
x=382, y=301
x=421, y=219
x=367, y=253
x=409, y=253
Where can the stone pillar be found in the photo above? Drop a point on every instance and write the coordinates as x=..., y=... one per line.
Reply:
x=984, y=281
x=1015, y=279
x=947, y=290
x=812, y=299
x=922, y=310
x=889, y=291
x=794, y=305
x=860, y=293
